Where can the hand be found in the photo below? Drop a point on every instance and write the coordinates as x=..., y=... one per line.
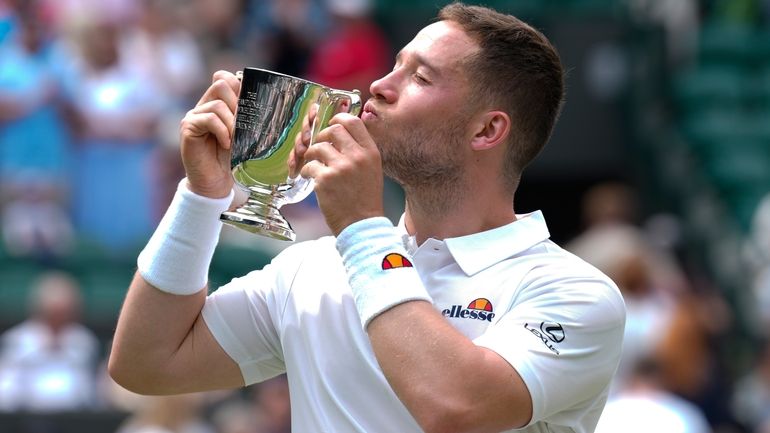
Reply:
x=346, y=166
x=206, y=134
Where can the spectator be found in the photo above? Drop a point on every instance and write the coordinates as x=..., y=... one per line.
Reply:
x=161, y=48
x=610, y=215
x=285, y=33
x=643, y=406
x=266, y=410
x=168, y=414
x=670, y=320
x=34, y=145
x=751, y=397
x=219, y=29
x=273, y=406
x=355, y=53
x=47, y=362
x=115, y=110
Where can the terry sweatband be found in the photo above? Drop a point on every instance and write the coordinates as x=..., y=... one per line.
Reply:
x=380, y=271
x=176, y=259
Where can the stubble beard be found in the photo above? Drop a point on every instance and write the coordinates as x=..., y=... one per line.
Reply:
x=428, y=165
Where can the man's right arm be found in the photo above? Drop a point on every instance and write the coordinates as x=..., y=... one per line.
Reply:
x=162, y=345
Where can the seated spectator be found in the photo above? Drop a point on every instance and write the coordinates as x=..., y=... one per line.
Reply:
x=644, y=406
x=47, y=362
x=267, y=409
x=168, y=414
x=751, y=396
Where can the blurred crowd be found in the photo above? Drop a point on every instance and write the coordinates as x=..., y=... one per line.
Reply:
x=91, y=95
x=92, y=92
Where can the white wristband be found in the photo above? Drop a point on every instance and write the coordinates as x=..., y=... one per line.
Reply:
x=380, y=271
x=176, y=259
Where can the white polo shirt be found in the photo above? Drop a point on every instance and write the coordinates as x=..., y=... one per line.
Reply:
x=557, y=320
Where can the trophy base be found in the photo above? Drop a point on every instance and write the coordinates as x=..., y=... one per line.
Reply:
x=272, y=225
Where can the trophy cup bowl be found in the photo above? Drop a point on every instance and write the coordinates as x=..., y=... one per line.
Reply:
x=271, y=109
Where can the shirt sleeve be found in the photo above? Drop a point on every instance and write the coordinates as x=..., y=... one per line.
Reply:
x=563, y=336
x=244, y=316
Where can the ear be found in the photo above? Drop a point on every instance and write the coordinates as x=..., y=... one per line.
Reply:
x=491, y=129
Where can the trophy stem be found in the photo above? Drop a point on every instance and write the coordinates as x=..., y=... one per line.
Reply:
x=258, y=215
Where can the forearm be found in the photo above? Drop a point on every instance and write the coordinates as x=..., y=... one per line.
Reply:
x=447, y=382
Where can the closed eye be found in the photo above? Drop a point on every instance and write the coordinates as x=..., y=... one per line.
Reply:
x=421, y=79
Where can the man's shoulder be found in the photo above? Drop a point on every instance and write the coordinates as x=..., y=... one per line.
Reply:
x=318, y=258
x=316, y=248
x=559, y=272
x=548, y=258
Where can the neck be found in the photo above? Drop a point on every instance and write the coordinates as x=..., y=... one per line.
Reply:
x=445, y=213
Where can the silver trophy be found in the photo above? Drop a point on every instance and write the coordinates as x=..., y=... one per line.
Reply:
x=268, y=121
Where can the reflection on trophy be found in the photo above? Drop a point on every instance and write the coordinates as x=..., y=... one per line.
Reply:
x=271, y=109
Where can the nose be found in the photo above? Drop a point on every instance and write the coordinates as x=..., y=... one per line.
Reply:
x=384, y=88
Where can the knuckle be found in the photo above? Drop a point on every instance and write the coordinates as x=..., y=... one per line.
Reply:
x=220, y=105
x=220, y=74
x=345, y=166
x=336, y=130
x=345, y=119
x=312, y=152
x=219, y=85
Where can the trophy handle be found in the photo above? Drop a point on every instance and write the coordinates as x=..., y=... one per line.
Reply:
x=332, y=101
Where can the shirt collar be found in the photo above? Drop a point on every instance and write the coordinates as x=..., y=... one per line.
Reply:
x=478, y=251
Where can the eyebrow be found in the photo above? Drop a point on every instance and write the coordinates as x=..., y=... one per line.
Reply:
x=420, y=59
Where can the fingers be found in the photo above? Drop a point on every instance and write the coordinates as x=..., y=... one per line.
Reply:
x=338, y=135
x=313, y=170
x=347, y=132
x=319, y=158
x=323, y=152
x=225, y=87
x=213, y=117
x=345, y=135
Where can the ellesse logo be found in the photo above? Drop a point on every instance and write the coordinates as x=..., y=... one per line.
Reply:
x=478, y=309
x=395, y=260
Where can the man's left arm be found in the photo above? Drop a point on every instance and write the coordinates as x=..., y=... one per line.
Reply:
x=552, y=353
x=446, y=381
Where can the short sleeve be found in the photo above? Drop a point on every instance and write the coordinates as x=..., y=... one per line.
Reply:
x=563, y=336
x=244, y=317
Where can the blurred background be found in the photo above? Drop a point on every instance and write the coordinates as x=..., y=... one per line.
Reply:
x=658, y=173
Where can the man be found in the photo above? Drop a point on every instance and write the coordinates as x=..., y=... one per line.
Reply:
x=463, y=318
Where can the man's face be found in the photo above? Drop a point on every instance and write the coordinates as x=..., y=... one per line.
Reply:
x=418, y=113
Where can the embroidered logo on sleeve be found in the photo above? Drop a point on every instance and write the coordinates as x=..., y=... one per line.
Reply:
x=550, y=333
x=395, y=260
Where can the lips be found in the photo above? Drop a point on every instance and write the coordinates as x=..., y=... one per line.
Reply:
x=369, y=112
